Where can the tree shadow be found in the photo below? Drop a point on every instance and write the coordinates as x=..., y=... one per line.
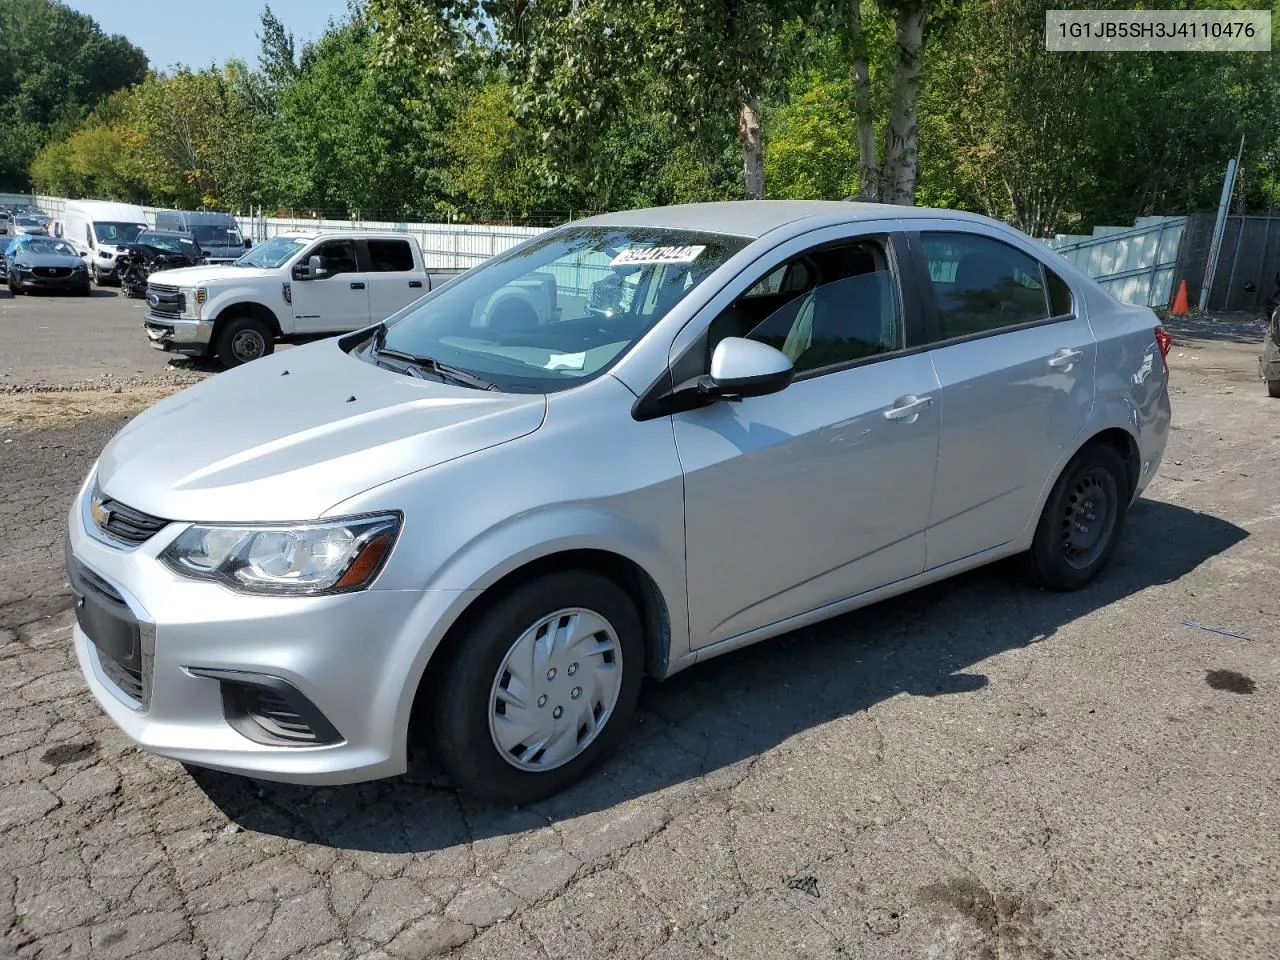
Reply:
x=1234, y=329
x=742, y=704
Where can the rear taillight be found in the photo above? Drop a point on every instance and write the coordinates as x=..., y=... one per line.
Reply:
x=1164, y=340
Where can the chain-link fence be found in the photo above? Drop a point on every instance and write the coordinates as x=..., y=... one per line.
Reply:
x=1248, y=261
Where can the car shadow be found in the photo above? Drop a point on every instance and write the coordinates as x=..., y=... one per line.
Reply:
x=742, y=704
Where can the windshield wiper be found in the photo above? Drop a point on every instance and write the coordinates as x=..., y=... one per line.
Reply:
x=443, y=370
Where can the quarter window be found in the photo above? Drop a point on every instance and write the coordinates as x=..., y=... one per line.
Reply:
x=981, y=284
x=390, y=256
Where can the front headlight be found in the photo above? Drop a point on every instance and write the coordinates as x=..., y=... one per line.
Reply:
x=193, y=299
x=305, y=559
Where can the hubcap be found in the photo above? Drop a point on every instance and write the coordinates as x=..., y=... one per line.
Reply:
x=556, y=689
x=1089, y=515
x=247, y=345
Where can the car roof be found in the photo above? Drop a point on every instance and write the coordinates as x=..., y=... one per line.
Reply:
x=755, y=218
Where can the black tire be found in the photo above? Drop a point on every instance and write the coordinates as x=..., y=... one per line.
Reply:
x=1273, y=388
x=1069, y=550
x=244, y=339
x=15, y=285
x=461, y=686
x=84, y=291
x=94, y=275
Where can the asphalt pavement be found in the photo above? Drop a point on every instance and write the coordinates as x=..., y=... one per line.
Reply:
x=976, y=770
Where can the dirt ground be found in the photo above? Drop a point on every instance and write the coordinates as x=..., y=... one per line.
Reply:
x=976, y=770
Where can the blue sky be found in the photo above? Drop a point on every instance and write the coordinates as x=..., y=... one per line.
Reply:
x=200, y=32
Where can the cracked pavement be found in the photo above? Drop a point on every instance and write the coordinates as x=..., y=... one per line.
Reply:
x=978, y=769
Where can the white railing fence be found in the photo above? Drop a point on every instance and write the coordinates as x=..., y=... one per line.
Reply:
x=443, y=244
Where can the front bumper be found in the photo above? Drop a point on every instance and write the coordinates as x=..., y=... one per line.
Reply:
x=189, y=337
x=73, y=282
x=352, y=657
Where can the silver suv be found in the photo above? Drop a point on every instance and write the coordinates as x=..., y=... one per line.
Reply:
x=487, y=519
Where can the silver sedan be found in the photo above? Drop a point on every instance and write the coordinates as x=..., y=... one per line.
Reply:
x=628, y=445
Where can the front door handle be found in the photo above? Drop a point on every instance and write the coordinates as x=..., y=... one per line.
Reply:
x=908, y=408
x=1065, y=359
x=357, y=285
x=415, y=283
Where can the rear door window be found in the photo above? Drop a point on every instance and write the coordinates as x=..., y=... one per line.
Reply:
x=390, y=256
x=981, y=284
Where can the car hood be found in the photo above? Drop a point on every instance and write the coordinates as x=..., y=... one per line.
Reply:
x=47, y=259
x=195, y=276
x=289, y=436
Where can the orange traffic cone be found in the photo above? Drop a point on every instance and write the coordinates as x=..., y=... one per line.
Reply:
x=1179, y=308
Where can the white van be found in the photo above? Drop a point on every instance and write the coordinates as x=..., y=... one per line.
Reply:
x=97, y=229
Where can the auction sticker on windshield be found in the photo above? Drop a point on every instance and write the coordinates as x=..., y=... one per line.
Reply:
x=637, y=256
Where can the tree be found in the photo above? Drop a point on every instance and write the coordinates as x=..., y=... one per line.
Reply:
x=889, y=176
x=575, y=61
x=55, y=66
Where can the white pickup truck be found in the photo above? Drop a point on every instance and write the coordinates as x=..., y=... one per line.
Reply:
x=294, y=287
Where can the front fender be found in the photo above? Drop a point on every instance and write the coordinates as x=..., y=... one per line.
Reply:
x=504, y=549
x=221, y=302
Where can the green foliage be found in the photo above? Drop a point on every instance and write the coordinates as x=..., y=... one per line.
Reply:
x=55, y=66
x=478, y=109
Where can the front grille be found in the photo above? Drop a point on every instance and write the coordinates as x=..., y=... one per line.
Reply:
x=122, y=522
x=91, y=581
x=274, y=714
x=165, y=300
x=52, y=273
x=127, y=679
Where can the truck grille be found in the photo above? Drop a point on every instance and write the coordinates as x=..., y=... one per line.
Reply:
x=165, y=300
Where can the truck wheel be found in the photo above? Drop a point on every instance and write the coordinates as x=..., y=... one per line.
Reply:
x=244, y=339
x=1273, y=388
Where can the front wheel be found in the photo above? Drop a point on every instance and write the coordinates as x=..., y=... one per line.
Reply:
x=244, y=339
x=1082, y=519
x=1273, y=388
x=15, y=285
x=540, y=688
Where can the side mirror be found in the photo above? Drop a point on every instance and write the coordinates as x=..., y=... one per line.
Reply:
x=311, y=270
x=248, y=244
x=744, y=368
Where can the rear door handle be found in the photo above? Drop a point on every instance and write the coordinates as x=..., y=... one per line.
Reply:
x=357, y=285
x=1065, y=358
x=415, y=283
x=908, y=408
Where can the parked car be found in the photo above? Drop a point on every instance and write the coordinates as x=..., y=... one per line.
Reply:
x=25, y=224
x=7, y=244
x=6, y=224
x=488, y=533
x=1269, y=361
x=98, y=229
x=45, y=264
x=292, y=288
x=217, y=233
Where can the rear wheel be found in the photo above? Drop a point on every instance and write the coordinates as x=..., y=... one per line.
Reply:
x=1273, y=388
x=1082, y=519
x=244, y=339
x=540, y=688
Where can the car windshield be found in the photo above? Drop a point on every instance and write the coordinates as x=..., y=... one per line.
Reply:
x=117, y=233
x=216, y=235
x=47, y=245
x=562, y=309
x=273, y=253
x=168, y=242
x=27, y=222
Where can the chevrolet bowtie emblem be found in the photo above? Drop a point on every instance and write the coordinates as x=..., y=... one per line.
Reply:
x=101, y=515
